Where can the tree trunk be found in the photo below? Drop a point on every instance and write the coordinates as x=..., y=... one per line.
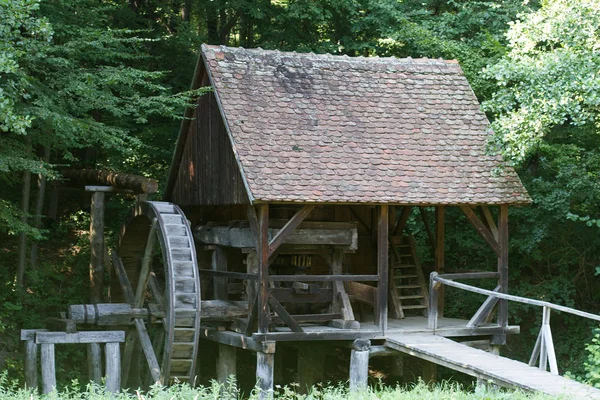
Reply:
x=39, y=206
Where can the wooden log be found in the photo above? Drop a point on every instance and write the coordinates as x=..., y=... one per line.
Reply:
x=94, y=359
x=382, y=268
x=226, y=363
x=97, y=248
x=48, y=368
x=113, y=367
x=265, y=365
x=359, y=365
x=137, y=184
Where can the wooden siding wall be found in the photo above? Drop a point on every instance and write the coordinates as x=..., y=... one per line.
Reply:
x=208, y=172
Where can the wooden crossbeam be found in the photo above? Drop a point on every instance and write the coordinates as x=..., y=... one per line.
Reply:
x=481, y=228
x=428, y=229
x=489, y=219
x=483, y=311
x=284, y=315
x=289, y=227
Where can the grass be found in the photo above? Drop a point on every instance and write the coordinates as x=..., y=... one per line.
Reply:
x=442, y=391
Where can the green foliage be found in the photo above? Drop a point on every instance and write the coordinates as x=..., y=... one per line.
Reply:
x=549, y=78
x=442, y=391
x=592, y=366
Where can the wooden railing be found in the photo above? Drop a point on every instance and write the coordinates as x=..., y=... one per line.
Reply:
x=544, y=345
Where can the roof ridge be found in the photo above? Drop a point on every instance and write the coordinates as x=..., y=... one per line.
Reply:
x=335, y=57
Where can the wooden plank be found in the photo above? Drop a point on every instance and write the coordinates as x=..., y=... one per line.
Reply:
x=289, y=227
x=263, y=268
x=48, y=367
x=382, y=268
x=361, y=292
x=80, y=337
x=486, y=366
x=97, y=247
x=113, y=367
x=481, y=228
x=471, y=275
x=503, y=263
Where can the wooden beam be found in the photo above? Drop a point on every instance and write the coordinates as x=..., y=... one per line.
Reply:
x=284, y=315
x=428, y=230
x=406, y=210
x=263, y=268
x=253, y=221
x=359, y=219
x=440, y=253
x=97, y=248
x=481, y=228
x=382, y=268
x=483, y=311
x=289, y=227
x=489, y=219
x=146, y=266
x=503, y=263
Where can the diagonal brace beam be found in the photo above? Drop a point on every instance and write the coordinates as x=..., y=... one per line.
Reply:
x=289, y=227
x=481, y=228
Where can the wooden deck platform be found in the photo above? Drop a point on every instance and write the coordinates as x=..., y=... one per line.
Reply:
x=486, y=366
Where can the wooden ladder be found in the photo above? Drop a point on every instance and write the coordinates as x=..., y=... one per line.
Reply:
x=408, y=289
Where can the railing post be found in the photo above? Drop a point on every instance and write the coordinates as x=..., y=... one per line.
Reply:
x=434, y=286
x=548, y=342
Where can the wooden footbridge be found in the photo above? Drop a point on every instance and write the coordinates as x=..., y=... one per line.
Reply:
x=487, y=367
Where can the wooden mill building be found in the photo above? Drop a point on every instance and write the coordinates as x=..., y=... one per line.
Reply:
x=299, y=172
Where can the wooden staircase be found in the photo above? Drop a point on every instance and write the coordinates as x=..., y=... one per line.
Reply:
x=408, y=289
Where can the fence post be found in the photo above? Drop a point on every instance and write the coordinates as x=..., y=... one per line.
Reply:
x=432, y=314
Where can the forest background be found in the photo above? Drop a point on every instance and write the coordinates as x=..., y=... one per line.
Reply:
x=103, y=83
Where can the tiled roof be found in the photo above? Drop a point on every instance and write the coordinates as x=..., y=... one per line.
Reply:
x=327, y=129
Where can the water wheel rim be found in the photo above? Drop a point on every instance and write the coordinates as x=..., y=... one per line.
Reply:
x=132, y=246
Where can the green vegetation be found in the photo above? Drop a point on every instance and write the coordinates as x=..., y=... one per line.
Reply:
x=101, y=84
x=216, y=391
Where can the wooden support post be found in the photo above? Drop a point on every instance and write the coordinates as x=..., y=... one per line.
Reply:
x=341, y=301
x=440, y=253
x=429, y=373
x=31, y=356
x=113, y=367
x=503, y=263
x=359, y=365
x=48, y=368
x=226, y=363
x=382, y=268
x=97, y=247
x=263, y=268
x=219, y=263
x=94, y=362
x=432, y=315
x=311, y=366
x=265, y=364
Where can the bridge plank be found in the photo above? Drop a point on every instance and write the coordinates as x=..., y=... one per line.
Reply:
x=487, y=366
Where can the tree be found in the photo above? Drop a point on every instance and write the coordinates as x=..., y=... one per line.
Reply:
x=549, y=79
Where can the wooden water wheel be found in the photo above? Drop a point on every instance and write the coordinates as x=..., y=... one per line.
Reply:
x=157, y=270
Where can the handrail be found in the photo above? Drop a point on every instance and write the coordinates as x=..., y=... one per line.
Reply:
x=544, y=346
x=518, y=299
